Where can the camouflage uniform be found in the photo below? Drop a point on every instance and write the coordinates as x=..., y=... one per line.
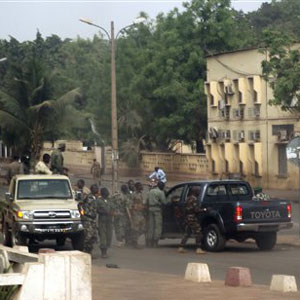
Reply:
x=88, y=210
x=121, y=220
x=192, y=225
x=57, y=162
x=138, y=225
x=156, y=199
x=96, y=172
x=105, y=228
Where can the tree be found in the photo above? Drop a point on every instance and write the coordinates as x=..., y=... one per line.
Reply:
x=27, y=110
x=282, y=69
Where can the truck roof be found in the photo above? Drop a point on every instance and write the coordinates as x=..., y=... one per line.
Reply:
x=213, y=181
x=40, y=176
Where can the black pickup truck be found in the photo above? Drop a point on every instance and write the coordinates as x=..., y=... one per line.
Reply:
x=230, y=212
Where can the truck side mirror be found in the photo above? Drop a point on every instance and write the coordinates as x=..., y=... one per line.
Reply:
x=78, y=196
x=9, y=197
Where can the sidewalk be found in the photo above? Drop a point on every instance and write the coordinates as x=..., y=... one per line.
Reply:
x=124, y=284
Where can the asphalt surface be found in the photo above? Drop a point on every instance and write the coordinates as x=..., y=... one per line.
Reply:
x=165, y=259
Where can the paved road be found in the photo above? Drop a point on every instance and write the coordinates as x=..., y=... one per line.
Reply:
x=165, y=259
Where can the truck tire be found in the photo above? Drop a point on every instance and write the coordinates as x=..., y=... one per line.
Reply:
x=60, y=242
x=6, y=235
x=213, y=239
x=266, y=241
x=18, y=239
x=78, y=241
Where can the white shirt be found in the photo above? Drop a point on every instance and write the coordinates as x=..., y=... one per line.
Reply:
x=159, y=175
x=42, y=168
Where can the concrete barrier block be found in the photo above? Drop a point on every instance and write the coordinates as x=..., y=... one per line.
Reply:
x=67, y=275
x=283, y=283
x=237, y=276
x=80, y=273
x=33, y=284
x=197, y=272
x=21, y=248
x=46, y=250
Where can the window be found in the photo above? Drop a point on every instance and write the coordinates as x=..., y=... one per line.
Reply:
x=216, y=190
x=44, y=189
x=239, y=189
x=276, y=129
x=175, y=195
x=282, y=160
x=212, y=101
x=190, y=189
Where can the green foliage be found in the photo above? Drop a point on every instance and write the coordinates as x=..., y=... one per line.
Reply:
x=282, y=69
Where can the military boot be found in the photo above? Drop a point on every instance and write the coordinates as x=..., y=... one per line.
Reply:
x=181, y=250
x=200, y=251
x=104, y=253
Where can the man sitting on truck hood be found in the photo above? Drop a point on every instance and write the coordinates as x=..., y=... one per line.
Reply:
x=42, y=166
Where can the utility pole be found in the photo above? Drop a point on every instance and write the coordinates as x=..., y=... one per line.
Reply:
x=114, y=118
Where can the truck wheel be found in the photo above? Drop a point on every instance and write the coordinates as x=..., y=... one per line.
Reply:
x=213, y=239
x=266, y=241
x=60, y=242
x=6, y=236
x=78, y=241
x=18, y=239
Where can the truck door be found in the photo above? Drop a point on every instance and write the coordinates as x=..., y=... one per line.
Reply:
x=173, y=212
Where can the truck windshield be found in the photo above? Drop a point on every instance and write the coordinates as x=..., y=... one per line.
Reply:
x=44, y=189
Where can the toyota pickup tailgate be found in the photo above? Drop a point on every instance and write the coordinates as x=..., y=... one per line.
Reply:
x=268, y=213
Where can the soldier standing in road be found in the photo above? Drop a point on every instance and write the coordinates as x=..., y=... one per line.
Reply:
x=80, y=187
x=57, y=160
x=105, y=214
x=192, y=225
x=88, y=211
x=156, y=199
x=138, y=215
x=131, y=186
x=122, y=215
x=96, y=172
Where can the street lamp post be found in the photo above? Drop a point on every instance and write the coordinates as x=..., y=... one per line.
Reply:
x=114, y=120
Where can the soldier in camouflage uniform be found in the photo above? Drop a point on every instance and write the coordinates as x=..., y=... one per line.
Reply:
x=192, y=225
x=88, y=211
x=105, y=223
x=122, y=215
x=156, y=199
x=57, y=160
x=138, y=225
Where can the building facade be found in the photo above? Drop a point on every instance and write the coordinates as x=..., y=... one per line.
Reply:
x=247, y=137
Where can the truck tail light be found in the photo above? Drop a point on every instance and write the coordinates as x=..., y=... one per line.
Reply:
x=289, y=210
x=238, y=214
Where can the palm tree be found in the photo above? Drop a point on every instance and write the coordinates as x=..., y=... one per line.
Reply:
x=28, y=112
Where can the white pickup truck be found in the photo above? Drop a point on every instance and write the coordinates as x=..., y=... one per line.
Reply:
x=40, y=207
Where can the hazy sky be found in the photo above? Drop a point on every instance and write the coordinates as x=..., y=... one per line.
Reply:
x=22, y=18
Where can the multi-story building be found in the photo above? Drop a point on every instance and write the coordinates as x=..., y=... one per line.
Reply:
x=247, y=136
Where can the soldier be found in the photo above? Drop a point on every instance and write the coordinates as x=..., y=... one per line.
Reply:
x=156, y=199
x=57, y=160
x=137, y=213
x=14, y=168
x=122, y=215
x=80, y=187
x=192, y=225
x=42, y=167
x=105, y=213
x=96, y=172
x=131, y=186
x=88, y=211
